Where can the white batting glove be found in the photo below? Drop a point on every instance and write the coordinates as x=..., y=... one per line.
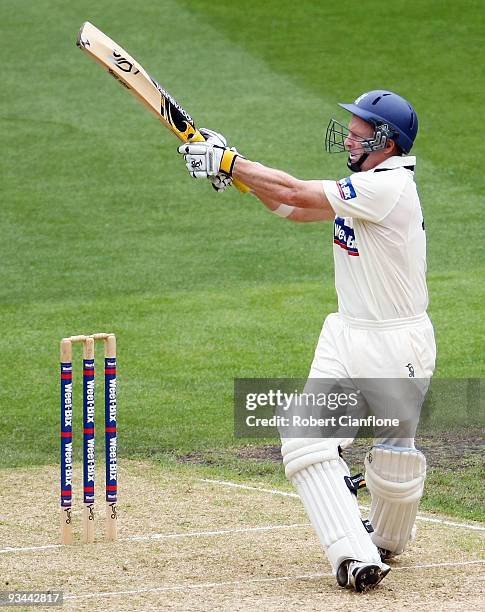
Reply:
x=206, y=160
x=212, y=137
x=221, y=181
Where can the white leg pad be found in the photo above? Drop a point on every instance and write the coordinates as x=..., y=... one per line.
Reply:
x=395, y=478
x=317, y=472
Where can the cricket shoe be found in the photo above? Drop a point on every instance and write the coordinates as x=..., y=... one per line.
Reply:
x=361, y=576
x=385, y=554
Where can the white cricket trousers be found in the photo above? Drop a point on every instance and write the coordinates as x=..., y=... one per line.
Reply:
x=358, y=348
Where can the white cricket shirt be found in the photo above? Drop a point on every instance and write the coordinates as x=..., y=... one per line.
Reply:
x=379, y=242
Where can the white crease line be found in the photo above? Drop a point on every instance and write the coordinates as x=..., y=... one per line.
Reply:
x=431, y=519
x=12, y=549
x=236, y=485
x=167, y=536
x=202, y=585
x=195, y=534
x=249, y=581
x=440, y=564
x=161, y=536
x=426, y=519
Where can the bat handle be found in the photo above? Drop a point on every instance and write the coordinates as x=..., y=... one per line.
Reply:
x=241, y=186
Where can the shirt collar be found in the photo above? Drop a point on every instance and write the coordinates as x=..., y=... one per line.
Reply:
x=394, y=162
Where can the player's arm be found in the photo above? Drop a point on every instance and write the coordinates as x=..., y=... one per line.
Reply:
x=207, y=160
x=292, y=213
x=279, y=186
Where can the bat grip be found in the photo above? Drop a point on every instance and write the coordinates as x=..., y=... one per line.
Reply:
x=241, y=186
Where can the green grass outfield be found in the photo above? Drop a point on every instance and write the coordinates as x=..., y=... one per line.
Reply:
x=101, y=229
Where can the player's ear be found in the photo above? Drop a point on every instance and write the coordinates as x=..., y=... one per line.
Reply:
x=391, y=146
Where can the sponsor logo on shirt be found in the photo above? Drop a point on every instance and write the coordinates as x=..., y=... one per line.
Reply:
x=344, y=236
x=346, y=189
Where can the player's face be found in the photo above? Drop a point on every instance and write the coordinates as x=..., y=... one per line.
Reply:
x=358, y=130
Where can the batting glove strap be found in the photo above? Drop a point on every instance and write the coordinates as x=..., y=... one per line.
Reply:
x=227, y=161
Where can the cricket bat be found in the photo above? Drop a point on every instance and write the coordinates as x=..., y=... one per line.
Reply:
x=129, y=73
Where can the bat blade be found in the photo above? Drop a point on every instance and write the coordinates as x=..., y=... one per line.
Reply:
x=125, y=69
x=131, y=74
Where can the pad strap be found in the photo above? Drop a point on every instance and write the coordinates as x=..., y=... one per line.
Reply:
x=355, y=483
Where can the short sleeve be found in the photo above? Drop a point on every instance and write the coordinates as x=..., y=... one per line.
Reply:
x=368, y=195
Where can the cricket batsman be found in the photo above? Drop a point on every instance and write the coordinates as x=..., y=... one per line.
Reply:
x=381, y=329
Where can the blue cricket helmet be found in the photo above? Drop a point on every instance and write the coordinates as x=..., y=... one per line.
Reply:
x=386, y=107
